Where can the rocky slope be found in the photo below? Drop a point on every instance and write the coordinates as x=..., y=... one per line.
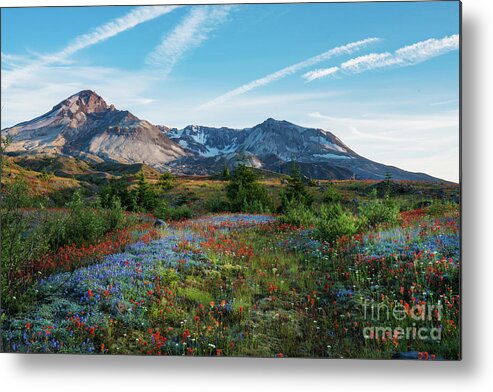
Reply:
x=84, y=125
x=271, y=146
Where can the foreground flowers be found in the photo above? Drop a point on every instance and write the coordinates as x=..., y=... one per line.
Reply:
x=246, y=285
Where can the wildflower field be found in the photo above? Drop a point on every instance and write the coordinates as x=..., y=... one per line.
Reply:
x=238, y=284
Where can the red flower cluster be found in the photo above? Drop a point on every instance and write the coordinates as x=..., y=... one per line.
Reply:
x=227, y=246
x=72, y=256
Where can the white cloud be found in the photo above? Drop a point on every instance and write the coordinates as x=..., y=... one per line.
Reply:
x=13, y=61
x=190, y=33
x=320, y=73
x=38, y=92
x=133, y=18
x=405, y=56
x=428, y=49
x=340, y=50
x=370, y=61
x=416, y=142
x=444, y=102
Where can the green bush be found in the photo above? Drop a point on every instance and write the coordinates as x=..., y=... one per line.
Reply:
x=331, y=195
x=257, y=206
x=83, y=224
x=21, y=241
x=379, y=211
x=226, y=174
x=298, y=215
x=440, y=207
x=216, y=203
x=115, y=216
x=166, y=212
x=181, y=212
x=335, y=222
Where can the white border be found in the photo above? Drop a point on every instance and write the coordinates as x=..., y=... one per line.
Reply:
x=88, y=374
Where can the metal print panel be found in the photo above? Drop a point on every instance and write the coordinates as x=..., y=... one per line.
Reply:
x=269, y=180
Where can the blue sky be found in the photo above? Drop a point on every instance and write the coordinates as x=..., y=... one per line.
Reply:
x=387, y=83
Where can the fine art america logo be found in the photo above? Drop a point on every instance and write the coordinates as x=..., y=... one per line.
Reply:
x=403, y=321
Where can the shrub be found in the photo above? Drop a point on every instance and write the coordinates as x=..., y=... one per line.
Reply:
x=166, y=212
x=298, y=215
x=226, y=174
x=380, y=211
x=181, y=212
x=335, y=222
x=331, y=195
x=257, y=206
x=21, y=242
x=115, y=216
x=216, y=204
x=83, y=224
x=441, y=207
x=331, y=211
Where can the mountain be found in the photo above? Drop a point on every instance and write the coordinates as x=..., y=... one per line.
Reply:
x=272, y=145
x=281, y=138
x=84, y=125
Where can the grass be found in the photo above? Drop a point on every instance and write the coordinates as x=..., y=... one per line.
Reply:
x=245, y=285
x=234, y=285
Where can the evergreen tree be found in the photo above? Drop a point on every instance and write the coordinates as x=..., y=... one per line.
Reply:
x=166, y=181
x=117, y=189
x=388, y=184
x=226, y=173
x=245, y=193
x=145, y=195
x=295, y=191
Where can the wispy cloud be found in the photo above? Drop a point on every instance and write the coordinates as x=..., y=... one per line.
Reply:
x=110, y=29
x=340, y=50
x=133, y=18
x=321, y=73
x=445, y=102
x=194, y=29
x=424, y=50
x=405, y=56
x=417, y=142
x=51, y=84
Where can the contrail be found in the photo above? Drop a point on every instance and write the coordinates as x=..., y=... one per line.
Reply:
x=405, y=56
x=133, y=18
x=190, y=33
x=340, y=50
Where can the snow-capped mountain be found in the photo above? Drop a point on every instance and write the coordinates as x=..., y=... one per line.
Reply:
x=85, y=125
x=207, y=141
x=272, y=145
x=281, y=138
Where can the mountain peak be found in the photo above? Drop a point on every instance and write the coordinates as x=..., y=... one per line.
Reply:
x=271, y=120
x=86, y=93
x=85, y=101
